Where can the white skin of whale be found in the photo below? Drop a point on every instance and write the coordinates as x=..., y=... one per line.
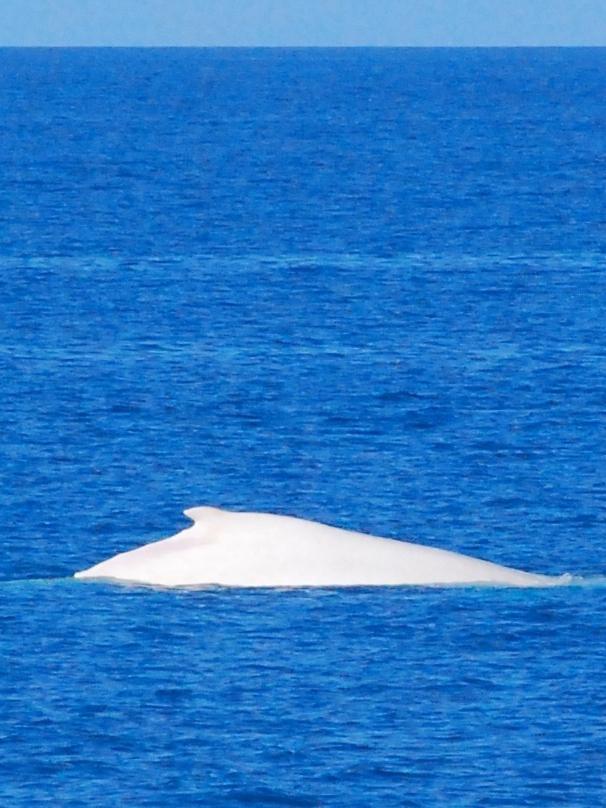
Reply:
x=265, y=550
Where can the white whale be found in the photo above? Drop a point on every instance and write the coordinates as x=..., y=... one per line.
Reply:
x=265, y=550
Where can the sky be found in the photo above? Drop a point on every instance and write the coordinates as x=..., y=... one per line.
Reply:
x=302, y=22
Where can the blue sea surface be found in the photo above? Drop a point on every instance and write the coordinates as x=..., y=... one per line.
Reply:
x=366, y=287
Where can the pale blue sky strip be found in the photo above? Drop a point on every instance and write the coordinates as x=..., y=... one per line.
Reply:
x=303, y=22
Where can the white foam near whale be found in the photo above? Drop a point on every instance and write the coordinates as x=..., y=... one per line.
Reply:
x=266, y=550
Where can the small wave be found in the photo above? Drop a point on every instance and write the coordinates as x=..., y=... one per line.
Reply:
x=588, y=581
x=15, y=583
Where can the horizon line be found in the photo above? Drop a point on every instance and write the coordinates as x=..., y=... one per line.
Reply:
x=81, y=46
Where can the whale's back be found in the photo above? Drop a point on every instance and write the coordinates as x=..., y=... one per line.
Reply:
x=267, y=550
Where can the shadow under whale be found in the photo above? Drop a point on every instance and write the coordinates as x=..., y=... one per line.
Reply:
x=239, y=549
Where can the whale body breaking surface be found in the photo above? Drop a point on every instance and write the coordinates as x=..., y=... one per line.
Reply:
x=238, y=549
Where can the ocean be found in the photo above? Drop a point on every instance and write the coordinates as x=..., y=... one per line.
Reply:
x=362, y=286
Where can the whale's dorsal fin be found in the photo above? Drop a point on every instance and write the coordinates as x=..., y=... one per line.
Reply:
x=201, y=513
